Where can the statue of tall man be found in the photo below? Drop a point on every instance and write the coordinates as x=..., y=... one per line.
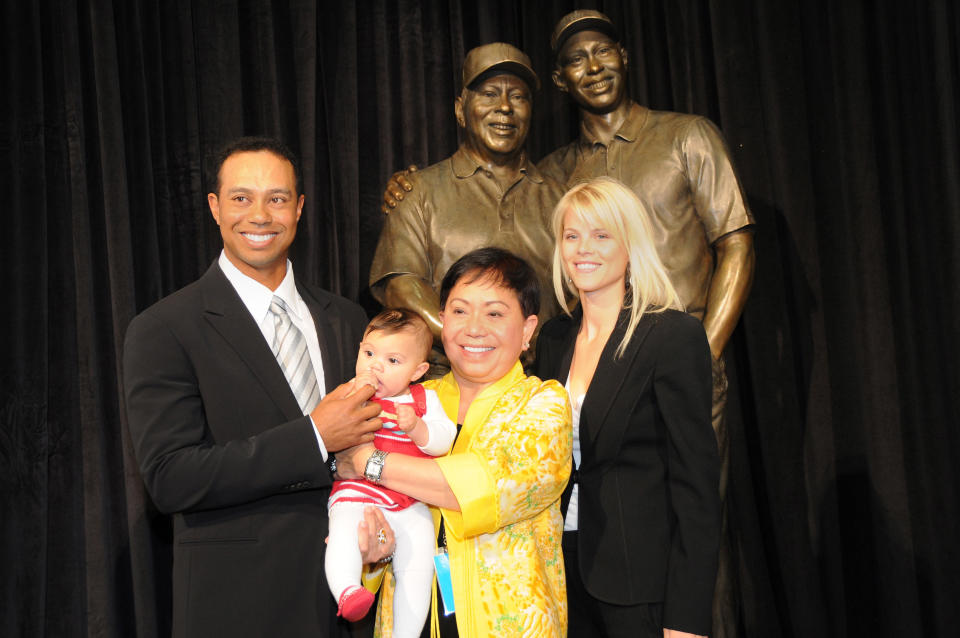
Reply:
x=679, y=166
x=488, y=193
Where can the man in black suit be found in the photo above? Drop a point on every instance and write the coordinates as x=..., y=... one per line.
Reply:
x=222, y=382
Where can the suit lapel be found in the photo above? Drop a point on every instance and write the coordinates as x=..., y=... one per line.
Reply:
x=567, y=345
x=610, y=375
x=328, y=337
x=226, y=314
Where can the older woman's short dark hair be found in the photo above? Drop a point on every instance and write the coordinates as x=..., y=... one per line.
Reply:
x=503, y=268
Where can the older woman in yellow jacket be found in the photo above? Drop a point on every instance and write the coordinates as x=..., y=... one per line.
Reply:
x=499, y=489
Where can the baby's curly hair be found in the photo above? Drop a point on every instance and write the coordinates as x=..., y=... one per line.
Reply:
x=393, y=320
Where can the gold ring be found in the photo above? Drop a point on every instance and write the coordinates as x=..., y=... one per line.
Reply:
x=381, y=536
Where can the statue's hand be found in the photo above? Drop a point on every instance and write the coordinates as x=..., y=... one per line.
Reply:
x=397, y=185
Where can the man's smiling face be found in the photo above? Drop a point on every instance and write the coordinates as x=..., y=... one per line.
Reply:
x=257, y=210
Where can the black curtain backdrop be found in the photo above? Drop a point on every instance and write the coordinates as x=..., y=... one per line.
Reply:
x=842, y=117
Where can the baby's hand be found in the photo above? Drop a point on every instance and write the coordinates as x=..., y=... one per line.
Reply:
x=362, y=379
x=406, y=418
x=409, y=422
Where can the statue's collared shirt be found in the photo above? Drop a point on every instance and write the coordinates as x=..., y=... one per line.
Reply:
x=680, y=167
x=457, y=206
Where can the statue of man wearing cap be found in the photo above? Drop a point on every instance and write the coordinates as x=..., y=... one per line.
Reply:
x=679, y=166
x=488, y=193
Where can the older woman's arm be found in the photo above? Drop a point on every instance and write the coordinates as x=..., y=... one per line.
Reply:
x=518, y=465
x=418, y=478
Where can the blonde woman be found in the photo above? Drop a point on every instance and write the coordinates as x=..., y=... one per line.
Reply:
x=641, y=513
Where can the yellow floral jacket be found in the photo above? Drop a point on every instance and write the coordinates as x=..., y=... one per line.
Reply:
x=507, y=469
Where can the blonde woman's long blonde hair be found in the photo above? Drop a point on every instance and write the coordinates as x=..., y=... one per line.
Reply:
x=604, y=202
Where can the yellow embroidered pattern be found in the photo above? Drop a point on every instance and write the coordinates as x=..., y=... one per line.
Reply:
x=508, y=470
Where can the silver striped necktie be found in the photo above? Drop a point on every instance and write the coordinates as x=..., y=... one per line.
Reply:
x=290, y=349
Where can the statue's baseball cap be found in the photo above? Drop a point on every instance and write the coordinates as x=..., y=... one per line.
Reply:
x=499, y=56
x=581, y=20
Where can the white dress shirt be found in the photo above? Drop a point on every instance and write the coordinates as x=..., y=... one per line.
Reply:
x=572, y=518
x=257, y=298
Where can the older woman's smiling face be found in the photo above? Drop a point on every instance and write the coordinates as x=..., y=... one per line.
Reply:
x=484, y=330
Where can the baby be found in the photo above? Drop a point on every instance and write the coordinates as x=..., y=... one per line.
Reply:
x=392, y=355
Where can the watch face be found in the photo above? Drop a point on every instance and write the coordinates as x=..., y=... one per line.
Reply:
x=374, y=467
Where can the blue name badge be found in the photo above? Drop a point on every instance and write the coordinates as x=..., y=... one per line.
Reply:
x=442, y=561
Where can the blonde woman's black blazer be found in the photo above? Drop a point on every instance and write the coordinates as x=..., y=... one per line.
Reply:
x=649, y=514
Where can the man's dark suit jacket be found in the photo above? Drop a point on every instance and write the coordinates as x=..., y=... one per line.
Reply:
x=648, y=508
x=223, y=446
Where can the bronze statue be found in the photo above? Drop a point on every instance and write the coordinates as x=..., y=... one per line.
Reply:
x=487, y=193
x=679, y=165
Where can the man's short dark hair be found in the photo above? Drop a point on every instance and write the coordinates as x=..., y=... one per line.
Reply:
x=249, y=145
x=502, y=268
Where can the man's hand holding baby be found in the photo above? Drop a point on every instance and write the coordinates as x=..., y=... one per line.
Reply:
x=364, y=378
